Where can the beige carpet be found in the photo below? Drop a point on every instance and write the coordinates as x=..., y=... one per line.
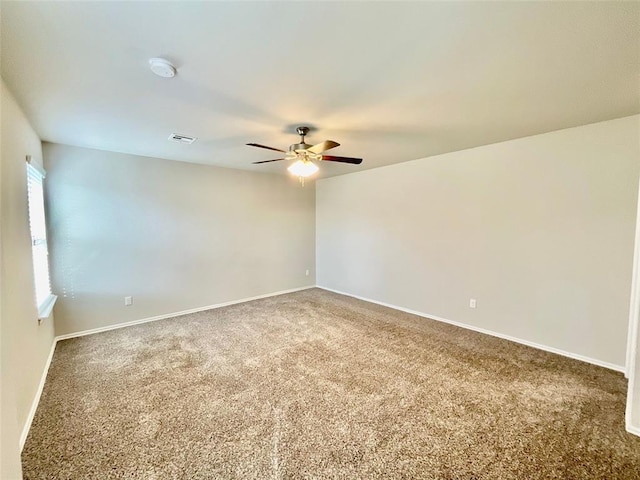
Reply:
x=318, y=385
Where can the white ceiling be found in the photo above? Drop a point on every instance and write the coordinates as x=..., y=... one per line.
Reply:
x=390, y=81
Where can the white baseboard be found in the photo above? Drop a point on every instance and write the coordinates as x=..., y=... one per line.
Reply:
x=176, y=314
x=633, y=430
x=36, y=398
x=575, y=356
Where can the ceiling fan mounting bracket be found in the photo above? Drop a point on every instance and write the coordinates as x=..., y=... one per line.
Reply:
x=302, y=131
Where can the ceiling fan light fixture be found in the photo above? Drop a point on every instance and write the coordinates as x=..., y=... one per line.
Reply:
x=303, y=168
x=304, y=155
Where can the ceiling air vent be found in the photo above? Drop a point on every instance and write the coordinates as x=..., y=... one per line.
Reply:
x=176, y=137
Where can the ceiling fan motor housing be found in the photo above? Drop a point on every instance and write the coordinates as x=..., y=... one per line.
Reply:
x=299, y=147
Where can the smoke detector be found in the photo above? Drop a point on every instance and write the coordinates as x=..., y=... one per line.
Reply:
x=162, y=67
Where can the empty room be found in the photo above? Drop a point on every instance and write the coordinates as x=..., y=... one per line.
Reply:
x=320, y=240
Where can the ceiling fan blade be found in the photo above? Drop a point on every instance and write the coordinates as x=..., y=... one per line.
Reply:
x=267, y=161
x=323, y=146
x=264, y=146
x=355, y=161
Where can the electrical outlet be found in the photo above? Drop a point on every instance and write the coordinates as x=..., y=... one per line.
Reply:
x=128, y=301
x=472, y=303
x=306, y=273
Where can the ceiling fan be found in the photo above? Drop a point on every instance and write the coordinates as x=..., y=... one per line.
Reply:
x=306, y=154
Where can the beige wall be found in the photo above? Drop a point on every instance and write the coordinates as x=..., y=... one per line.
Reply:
x=173, y=235
x=539, y=230
x=25, y=344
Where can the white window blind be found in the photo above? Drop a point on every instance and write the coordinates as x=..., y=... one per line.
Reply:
x=38, y=236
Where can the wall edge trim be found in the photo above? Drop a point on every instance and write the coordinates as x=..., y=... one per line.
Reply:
x=633, y=430
x=36, y=398
x=557, y=351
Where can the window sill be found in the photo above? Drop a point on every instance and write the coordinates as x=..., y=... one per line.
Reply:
x=44, y=310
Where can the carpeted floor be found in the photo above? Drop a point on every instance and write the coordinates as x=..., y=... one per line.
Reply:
x=318, y=385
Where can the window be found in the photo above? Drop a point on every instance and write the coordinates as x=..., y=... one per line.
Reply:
x=37, y=225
